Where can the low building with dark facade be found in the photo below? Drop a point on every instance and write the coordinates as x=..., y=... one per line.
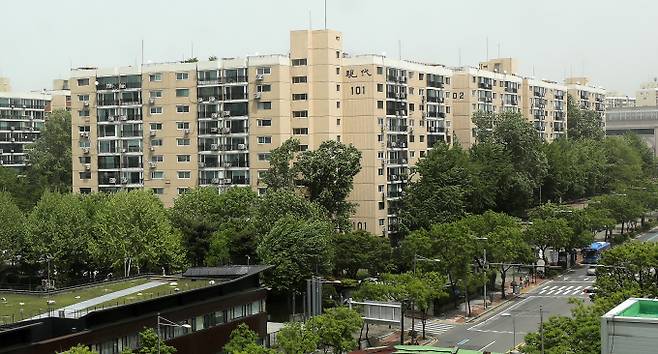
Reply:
x=234, y=295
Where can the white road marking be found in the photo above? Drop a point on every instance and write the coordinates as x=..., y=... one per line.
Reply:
x=432, y=327
x=485, y=347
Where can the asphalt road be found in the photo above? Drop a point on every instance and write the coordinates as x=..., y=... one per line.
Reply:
x=495, y=332
x=649, y=236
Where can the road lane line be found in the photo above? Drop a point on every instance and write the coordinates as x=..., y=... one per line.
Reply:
x=498, y=314
x=485, y=347
x=463, y=341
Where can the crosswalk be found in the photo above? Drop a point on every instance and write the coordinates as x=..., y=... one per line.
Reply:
x=432, y=327
x=563, y=290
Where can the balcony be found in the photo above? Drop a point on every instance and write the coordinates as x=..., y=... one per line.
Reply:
x=118, y=86
x=435, y=99
x=436, y=130
x=485, y=85
x=400, y=144
x=435, y=84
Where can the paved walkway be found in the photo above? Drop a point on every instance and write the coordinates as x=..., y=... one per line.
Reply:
x=73, y=311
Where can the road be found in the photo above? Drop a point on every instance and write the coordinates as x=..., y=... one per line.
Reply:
x=649, y=236
x=495, y=332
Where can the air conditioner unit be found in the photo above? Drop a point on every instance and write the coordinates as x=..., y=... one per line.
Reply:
x=124, y=118
x=200, y=99
x=112, y=180
x=394, y=177
x=214, y=129
x=152, y=133
x=257, y=95
x=12, y=128
x=227, y=164
x=226, y=130
x=404, y=161
x=202, y=164
x=214, y=181
x=242, y=146
x=226, y=113
x=110, y=118
x=212, y=99
x=186, y=131
x=227, y=181
x=152, y=164
x=151, y=101
x=214, y=146
x=87, y=167
x=152, y=148
x=124, y=150
x=397, y=95
x=259, y=77
x=109, y=86
x=13, y=140
x=124, y=180
x=85, y=150
x=85, y=103
x=122, y=86
x=214, y=115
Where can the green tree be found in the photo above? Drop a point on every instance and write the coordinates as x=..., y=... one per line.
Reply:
x=281, y=174
x=202, y=212
x=275, y=205
x=49, y=157
x=507, y=246
x=550, y=232
x=360, y=250
x=297, y=250
x=55, y=230
x=583, y=124
x=12, y=233
x=148, y=340
x=133, y=231
x=79, y=349
x=244, y=341
x=10, y=182
x=621, y=207
x=296, y=338
x=440, y=192
x=235, y=242
x=327, y=175
x=336, y=328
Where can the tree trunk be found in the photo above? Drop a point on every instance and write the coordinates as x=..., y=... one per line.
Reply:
x=455, y=300
x=424, y=322
x=622, y=227
x=503, y=275
x=468, y=301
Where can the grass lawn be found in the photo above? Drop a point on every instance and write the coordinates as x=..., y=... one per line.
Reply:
x=161, y=290
x=11, y=310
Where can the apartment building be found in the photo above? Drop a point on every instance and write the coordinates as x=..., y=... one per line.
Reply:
x=647, y=95
x=170, y=127
x=5, y=85
x=22, y=116
x=587, y=96
x=492, y=87
x=545, y=104
x=614, y=99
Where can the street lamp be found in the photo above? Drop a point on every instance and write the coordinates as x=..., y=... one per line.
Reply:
x=165, y=322
x=507, y=314
x=484, y=266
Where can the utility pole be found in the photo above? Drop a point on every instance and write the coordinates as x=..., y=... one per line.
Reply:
x=541, y=328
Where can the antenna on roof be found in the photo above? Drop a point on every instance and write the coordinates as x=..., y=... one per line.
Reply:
x=498, y=49
x=399, y=49
x=459, y=53
x=487, y=48
x=310, y=22
x=325, y=14
x=142, y=51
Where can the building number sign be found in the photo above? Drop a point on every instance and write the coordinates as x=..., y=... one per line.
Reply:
x=350, y=74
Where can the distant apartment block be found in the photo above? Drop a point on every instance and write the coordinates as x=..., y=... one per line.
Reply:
x=647, y=95
x=5, y=85
x=587, y=96
x=174, y=126
x=615, y=99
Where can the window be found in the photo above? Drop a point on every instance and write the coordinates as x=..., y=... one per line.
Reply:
x=338, y=121
x=264, y=156
x=299, y=97
x=380, y=154
x=302, y=147
x=155, y=77
x=411, y=90
x=338, y=87
x=422, y=138
x=264, y=105
x=380, y=188
x=300, y=114
x=381, y=221
x=380, y=171
x=182, y=125
x=85, y=159
x=337, y=71
x=380, y=87
x=447, y=109
x=337, y=104
x=84, y=113
x=380, y=138
x=182, y=92
x=421, y=76
x=158, y=191
x=182, y=108
x=380, y=104
x=156, y=110
x=412, y=138
x=182, y=190
x=85, y=175
x=156, y=126
x=338, y=54
x=157, y=174
x=264, y=122
x=338, y=138
x=157, y=158
x=264, y=139
x=183, y=141
x=182, y=76
x=300, y=131
x=447, y=80
x=299, y=79
x=83, y=98
x=380, y=70
x=264, y=88
x=156, y=142
x=184, y=174
x=155, y=94
x=83, y=82
x=412, y=153
x=85, y=190
x=266, y=70
x=299, y=62
x=411, y=107
x=422, y=153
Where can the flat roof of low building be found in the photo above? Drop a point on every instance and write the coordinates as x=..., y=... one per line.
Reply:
x=635, y=308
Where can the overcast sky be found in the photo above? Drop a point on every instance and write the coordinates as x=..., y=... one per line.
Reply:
x=613, y=42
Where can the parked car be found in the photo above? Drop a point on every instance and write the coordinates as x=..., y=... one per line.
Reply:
x=591, y=271
x=591, y=291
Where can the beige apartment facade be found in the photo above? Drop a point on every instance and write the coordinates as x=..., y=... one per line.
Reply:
x=174, y=126
x=647, y=95
x=587, y=96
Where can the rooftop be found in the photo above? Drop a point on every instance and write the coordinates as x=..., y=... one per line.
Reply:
x=635, y=309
